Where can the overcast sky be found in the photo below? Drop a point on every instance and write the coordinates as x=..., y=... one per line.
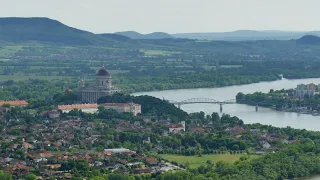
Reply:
x=101, y=16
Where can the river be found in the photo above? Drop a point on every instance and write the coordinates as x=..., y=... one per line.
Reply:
x=246, y=113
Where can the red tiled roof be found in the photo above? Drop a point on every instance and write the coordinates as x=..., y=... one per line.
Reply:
x=176, y=126
x=151, y=160
x=14, y=103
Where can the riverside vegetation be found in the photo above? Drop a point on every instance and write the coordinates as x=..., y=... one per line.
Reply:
x=282, y=100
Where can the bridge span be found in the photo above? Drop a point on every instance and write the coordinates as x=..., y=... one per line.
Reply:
x=203, y=100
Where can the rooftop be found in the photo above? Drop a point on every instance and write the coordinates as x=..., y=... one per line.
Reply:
x=14, y=103
x=77, y=106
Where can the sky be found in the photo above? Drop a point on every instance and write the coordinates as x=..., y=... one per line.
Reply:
x=172, y=16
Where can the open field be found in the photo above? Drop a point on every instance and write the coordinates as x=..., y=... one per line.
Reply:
x=196, y=161
x=158, y=52
x=6, y=51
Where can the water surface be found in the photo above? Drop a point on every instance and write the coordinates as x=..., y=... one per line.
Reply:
x=246, y=113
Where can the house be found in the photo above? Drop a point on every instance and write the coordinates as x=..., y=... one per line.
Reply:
x=197, y=130
x=53, y=114
x=142, y=170
x=147, y=141
x=265, y=145
x=124, y=107
x=151, y=161
x=174, y=128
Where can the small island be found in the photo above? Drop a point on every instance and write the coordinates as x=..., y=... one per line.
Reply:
x=304, y=99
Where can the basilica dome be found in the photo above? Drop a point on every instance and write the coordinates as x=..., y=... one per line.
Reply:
x=103, y=72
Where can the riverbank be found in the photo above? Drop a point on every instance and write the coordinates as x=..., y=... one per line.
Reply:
x=247, y=113
x=283, y=100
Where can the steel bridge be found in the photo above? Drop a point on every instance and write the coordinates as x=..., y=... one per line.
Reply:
x=202, y=101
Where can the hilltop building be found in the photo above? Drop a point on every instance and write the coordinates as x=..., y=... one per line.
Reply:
x=102, y=87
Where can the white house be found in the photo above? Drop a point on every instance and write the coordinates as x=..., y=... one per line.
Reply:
x=266, y=145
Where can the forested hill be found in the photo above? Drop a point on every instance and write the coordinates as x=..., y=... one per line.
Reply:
x=309, y=39
x=117, y=37
x=154, y=35
x=46, y=30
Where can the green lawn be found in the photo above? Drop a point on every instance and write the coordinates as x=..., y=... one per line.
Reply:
x=196, y=161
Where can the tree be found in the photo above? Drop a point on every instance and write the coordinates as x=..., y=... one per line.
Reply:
x=235, y=147
x=5, y=176
x=199, y=149
x=31, y=176
x=215, y=118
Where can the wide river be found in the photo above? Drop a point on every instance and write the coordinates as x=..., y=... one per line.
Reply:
x=246, y=113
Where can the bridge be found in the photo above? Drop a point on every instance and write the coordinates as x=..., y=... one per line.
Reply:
x=203, y=100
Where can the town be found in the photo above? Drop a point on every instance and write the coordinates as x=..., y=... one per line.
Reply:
x=304, y=99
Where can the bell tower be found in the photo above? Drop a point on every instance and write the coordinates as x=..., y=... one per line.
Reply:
x=103, y=78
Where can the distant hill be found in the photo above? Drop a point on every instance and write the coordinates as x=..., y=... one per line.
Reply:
x=309, y=39
x=46, y=30
x=136, y=35
x=117, y=37
x=245, y=35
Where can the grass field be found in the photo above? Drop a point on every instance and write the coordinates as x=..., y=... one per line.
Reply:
x=158, y=52
x=196, y=161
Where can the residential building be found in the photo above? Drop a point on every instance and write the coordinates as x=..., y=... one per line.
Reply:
x=88, y=108
x=124, y=107
x=304, y=90
x=176, y=128
x=54, y=114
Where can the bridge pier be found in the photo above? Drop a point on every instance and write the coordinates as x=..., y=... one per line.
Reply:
x=257, y=108
x=220, y=107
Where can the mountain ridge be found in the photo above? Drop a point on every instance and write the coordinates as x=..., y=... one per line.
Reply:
x=137, y=35
x=15, y=29
x=245, y=35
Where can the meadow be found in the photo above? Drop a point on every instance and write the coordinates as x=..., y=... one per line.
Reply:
x=195, y=161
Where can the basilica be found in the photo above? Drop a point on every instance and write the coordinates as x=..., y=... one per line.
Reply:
x=102, y=87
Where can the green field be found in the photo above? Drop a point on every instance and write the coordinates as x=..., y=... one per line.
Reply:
x=6, y=51
x=196, y=161
x=23, y=77
x=158, y=52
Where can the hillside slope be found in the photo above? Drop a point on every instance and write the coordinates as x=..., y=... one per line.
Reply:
x=309, y=39
x=46, y=30
x=117, y=37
